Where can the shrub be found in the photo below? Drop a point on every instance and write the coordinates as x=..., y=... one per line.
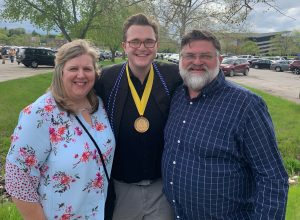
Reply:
x=292, y=166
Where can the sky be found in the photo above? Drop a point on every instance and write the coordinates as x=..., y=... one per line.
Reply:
x=262, y=19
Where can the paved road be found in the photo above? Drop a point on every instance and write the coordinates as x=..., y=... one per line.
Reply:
x=10, y=71
x=283, y=84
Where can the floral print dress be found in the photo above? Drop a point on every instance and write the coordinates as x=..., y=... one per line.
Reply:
x=53, y=161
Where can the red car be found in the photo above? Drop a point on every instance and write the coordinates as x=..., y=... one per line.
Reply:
x=295, y=66
x=232, y=66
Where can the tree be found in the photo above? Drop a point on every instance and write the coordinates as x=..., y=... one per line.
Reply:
x=282, y=44
x=21, y=40
x=34, y=33
x=108, y=34
x=108, y=29
x=166, y=43
x=179, y=16
x=16, y=31
x=249, y=47
x=230, y=42
x=3, y=38
x=73, y=18
x=296, y=42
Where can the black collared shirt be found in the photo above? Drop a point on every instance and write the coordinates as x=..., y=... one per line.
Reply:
x=138, y=155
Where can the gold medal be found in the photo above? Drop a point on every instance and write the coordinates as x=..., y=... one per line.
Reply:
x=141, y=124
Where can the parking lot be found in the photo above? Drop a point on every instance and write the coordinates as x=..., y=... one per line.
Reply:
x=9, y=71
x=283, y=84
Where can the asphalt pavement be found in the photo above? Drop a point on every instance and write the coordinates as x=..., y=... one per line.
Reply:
x=282, y=84
x=9, y=71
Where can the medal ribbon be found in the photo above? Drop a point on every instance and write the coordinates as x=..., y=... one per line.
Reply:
x=141, y=103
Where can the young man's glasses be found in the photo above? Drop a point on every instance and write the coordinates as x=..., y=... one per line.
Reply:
x=137, y=43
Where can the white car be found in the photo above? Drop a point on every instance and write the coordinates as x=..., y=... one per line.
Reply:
x=174, y=58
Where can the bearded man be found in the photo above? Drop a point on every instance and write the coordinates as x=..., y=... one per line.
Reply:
x=220, y=159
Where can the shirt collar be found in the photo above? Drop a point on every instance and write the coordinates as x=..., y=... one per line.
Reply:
x=214, y=85
x=135, y=79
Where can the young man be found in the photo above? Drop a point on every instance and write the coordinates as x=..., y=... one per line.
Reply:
x=137, y=96
x=220, y=159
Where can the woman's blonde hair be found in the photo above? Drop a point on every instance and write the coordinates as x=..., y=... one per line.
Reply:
x=67, y=52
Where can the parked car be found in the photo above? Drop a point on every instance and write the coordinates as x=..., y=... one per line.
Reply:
x=174, y=58
x=261, y=64
x=33, y=57
x=105, y=55
x=253, y=60
x=230, y=56
x=275, y=59
x=232, y=66
x=247, y=57
x=101, y=57
x=4, y=52
x=279, y=66
x=170, y=57
x=167, y=55
x=295, y=66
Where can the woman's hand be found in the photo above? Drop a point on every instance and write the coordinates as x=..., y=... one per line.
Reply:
x=30, y=210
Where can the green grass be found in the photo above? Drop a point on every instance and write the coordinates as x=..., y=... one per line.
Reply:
x=109, y=62
x=293, y=212
x=8, y=211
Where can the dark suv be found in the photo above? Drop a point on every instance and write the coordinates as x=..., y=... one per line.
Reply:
x=295, y=66
x=231, y=66
x=105, y=55
x=32, y=57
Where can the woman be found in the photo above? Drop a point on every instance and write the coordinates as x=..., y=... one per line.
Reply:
x=12, y=54
x=53, y=168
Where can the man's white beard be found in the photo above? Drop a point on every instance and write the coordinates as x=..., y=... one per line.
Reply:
x=198, y=82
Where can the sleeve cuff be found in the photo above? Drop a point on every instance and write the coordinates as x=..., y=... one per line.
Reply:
x=20, y=185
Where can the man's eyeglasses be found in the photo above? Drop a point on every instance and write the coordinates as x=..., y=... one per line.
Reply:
x=137, y=43
x=201, y=56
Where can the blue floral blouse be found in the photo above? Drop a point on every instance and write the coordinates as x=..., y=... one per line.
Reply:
x=53, y=161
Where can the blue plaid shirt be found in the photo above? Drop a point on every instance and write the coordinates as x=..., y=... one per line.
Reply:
x=221, y=160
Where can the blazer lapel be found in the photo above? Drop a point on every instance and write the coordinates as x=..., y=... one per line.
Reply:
x=160, y=95
x=120, y=102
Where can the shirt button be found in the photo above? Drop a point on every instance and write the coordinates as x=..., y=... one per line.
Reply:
x=178, y=141
x=191, y=103
x=177, y=217
x=204, y=96
x=171, y=183
x=184, y=122
x=174, y=162
x=173, y=200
